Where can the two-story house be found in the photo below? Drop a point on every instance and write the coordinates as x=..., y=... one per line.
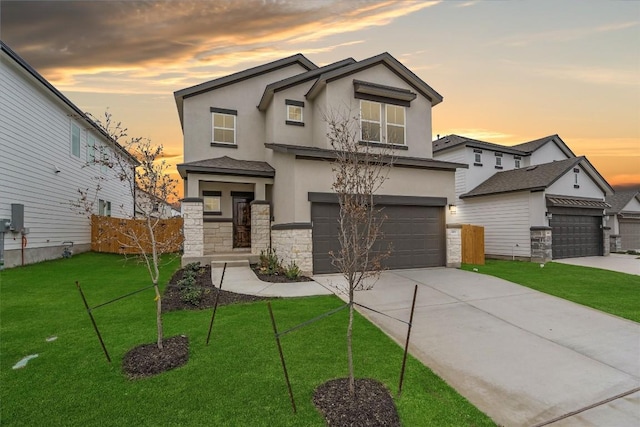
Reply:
x=536, y=200
x=50, y=150
x=257, y=160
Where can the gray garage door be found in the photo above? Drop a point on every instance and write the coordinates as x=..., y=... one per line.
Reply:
x=416, y=235
x=576, y=236
x=630, y=234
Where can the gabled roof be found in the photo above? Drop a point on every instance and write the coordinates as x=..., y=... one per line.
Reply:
x=620, y=199
x=228, y=166
x=531, y=146
x=451, y=141
x=298, y=79
x=298, y=58
x=535, y=178
x=56, y=93
x=390, y=62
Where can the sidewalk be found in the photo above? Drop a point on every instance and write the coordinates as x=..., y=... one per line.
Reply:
x=242, y=280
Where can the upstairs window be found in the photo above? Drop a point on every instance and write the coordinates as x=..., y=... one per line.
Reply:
x=477, y=157
x=294, y=112
x=498, y=160
x=75, y=140
x=517, y=160
x=224, y=126
x=370, y=121
x=91, y=149
x=395, y=124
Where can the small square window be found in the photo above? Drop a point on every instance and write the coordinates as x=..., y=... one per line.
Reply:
x=212, y=202
x=223, y=126
x=294, y=113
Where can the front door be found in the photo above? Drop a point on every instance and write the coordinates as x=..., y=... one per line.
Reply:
x=242, y=220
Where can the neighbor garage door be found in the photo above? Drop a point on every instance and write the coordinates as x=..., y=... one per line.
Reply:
x=416, y=235
x=576, y=236
x=630, y=234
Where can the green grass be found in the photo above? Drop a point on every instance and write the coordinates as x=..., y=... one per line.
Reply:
x=608, y=291
x=235, y=381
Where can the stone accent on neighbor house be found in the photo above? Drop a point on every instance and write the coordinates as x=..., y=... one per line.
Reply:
x=615, y=243
x=193, y=246
x=293, y=242
x=218, y=236
x=541, y=244
x=454, y=245
x=606, y=233
x=260, y=226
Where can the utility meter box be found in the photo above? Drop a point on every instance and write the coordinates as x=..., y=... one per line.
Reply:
x=17, y=217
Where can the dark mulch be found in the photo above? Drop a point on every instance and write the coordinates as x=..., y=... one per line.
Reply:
x=171, y=300
x=277, y=278
x=148, y=360
x=372, y=406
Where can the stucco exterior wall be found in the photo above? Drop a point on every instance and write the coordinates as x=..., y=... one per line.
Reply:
x=242, y=96
x=283, y=133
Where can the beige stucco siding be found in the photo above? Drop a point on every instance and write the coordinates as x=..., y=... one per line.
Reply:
x=316, y=176
x=242, y=96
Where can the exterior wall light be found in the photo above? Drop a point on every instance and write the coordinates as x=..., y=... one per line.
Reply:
x=453, y=209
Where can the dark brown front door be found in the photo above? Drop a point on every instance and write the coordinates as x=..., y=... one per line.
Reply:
x=242, y=220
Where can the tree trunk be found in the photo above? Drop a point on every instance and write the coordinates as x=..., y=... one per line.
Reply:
x=158, y=314
x=352, y=382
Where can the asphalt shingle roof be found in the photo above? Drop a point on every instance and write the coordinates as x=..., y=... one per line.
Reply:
x=228, y=165
x=531, y=146
x=530, y=178
x=619, y=200
x=450, y=141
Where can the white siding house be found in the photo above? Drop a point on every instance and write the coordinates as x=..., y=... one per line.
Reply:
x=47, y=148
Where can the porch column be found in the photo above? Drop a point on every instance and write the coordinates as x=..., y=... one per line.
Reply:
x=260, y=225
x=606, y=241
x=541, y=239
x=193, y=230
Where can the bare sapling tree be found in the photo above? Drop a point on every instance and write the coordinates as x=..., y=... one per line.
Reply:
x=359, y=172
x=150, y=187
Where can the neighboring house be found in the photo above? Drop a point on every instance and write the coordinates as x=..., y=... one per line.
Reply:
x=624, y=220
x=50, y=149
x=257, y=161
x=536, y=200
x=157, y=207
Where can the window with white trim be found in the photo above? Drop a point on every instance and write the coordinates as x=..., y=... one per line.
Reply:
x=104, y=208
x=223, y=127
x=517, y=160
x=295, y=112
x=75, y=140
x=374, y=127
x=370, y=121
x=395, y=124
x=91, y=149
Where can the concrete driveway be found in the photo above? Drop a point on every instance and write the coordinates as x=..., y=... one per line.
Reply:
x=623, y=263
x=523, y=357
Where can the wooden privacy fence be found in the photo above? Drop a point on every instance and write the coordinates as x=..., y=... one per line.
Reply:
x=472, y=244
x=127, y=236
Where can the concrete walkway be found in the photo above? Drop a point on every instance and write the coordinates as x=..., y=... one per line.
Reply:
x=623, y=263
x=242, y=280
x=523, y=357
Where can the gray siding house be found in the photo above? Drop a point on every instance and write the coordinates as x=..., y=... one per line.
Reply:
x=624, y=219
x=257, y=161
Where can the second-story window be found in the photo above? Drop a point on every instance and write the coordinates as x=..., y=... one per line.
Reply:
x=395, y=124
x=498, y=160
x=517, y=160
x=477, y=157
x=370, y=121
x=295, y=115
x=223, y=126
x=374, y=127
x=75, y=140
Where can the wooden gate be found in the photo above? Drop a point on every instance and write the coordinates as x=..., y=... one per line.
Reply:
x=472, y=244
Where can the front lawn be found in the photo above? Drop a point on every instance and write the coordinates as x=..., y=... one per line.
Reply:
x=608, y=291
x=236, y=380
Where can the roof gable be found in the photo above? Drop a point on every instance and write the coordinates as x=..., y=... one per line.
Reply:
x=531, y=146
x=297, y=59
x=56, y=93
x=455, y=141
x=620, y=199
x=387, y=60
x=536, y=178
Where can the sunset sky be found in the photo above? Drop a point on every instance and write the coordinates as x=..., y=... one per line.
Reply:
x=509, y=71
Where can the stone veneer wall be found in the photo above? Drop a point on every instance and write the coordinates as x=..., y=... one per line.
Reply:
x=541, y=244
x=615, y=243
x=606, y=233
x=192, y=209
x=218, y=237
x=260, y=226
x=454, y=245
x=294, y=245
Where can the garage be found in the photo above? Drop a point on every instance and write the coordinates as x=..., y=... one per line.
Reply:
x=629, y=233
x=415, y=232
x=576, y=236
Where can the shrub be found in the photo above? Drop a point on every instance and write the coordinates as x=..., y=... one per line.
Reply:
x=269, y=262
x=189, y=292
x=292, y=271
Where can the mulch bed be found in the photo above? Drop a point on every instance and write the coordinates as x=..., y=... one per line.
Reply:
x=148, y=360
x=277, y=278
x=372, y=406
x=171, y=300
